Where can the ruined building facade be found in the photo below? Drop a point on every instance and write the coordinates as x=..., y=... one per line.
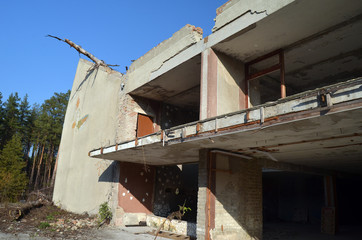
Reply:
x=259, y=121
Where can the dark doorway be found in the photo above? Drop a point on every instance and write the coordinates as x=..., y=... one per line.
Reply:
x=292, y=204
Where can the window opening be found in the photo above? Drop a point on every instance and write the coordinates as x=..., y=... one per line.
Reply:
x=263, y=83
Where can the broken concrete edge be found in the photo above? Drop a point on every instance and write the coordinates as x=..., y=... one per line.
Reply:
x=164, y=45
x=141, y=69
x=234, y=9
x=338, y=93
x=185, y=45
x=174, y=226
x=93, y=67
x=225, y=6
x=179, y=227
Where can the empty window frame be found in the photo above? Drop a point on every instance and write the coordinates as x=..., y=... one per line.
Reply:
x=265, y=79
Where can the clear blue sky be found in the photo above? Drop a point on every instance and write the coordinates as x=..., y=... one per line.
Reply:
x=114, y=31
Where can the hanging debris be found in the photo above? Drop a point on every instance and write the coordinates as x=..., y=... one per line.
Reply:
x=97, y=61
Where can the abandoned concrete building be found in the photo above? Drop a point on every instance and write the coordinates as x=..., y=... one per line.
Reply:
x=258, y=123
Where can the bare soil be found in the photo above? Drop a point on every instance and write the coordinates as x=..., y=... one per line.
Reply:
x=47, y=221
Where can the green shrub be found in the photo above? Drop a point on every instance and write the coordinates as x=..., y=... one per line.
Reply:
x=105, y=214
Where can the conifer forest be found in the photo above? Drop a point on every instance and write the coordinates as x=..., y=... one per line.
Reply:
x=29, y=142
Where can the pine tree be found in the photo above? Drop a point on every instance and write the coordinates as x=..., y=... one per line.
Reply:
x=24, y=122
x=1, y=119
x=11, y=118
x=13, y=179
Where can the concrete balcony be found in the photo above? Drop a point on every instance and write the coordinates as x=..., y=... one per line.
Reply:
x=318, y=128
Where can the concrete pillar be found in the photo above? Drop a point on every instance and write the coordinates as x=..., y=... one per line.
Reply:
x=222, y=84
x=202, y=196
x=230, y=198
x=329, y=211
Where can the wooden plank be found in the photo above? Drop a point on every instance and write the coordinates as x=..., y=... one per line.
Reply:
x=170, y=235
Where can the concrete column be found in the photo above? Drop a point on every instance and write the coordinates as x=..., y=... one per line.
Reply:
x=222, y=84
x=329, y=211
x=202, y=196
x=230, y=198
x=208, y=86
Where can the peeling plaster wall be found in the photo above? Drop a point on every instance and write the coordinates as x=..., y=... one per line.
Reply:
x=83, y=183
x=128, y=110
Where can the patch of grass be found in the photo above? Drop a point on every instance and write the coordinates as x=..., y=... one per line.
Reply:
x=56, y=213
x=52, y=215
x=44, y=225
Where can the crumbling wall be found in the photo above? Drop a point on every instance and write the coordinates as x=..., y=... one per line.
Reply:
x=83, y=183
x=232, y=209
x=129, y=108
x=238, y=204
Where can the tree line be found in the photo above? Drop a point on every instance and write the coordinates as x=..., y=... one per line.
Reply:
x=29, y=143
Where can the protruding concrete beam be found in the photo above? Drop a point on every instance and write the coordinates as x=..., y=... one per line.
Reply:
x=140, y=71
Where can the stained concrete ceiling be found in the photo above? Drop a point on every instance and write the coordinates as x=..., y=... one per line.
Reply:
x=179, y=86
x=332, y=142
x=321, y=40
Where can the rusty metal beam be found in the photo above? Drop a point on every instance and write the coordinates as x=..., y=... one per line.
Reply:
x=265, y=71
x=279, y=66
x=283, y=92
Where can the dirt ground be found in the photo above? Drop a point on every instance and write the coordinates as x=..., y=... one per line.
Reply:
x=47, y=221
x=51, y=222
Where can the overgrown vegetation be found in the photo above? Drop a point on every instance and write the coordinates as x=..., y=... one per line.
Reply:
x=29, y=141
x=44, y=225
x=105, y=214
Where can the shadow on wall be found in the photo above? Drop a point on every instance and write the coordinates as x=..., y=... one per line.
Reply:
x=111, y=173
x=89, y=73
